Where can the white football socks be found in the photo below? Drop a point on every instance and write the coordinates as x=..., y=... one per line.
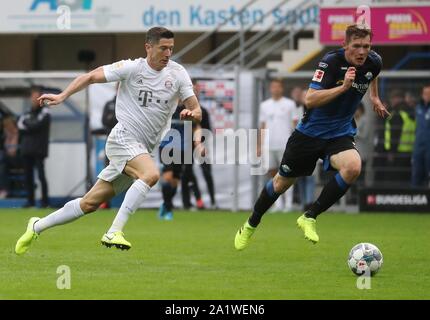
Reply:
x=132, y=200
x=70, y=212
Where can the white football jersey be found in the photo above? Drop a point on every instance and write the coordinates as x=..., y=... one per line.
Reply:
x=148, y=98
x=278, y=116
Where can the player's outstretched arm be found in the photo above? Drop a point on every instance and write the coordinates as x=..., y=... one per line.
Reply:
x=193, y=111
x=378, y=106
x=317, y=98
x=81, y=82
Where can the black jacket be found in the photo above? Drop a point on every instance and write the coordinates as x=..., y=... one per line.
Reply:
x=206, y=122
x=34, y=130
x=108, y=118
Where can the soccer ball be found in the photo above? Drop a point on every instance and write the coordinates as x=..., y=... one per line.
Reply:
x=365, y=258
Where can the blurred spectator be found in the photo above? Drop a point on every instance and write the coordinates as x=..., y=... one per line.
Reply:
x=306, y=184
x=109, y=121
x=11, y=137
x=3, y=174
x=8, y=146
x=34, y=128
x=399, y=135
x=363, y=134
x=421, y=152
x=177, y=141
x=410, y=100
x=109, y=118
x=277, y=115
x=189, y=180
x=206, y=167
x=296, y=95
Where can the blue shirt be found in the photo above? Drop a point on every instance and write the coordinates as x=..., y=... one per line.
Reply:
x=336, y=118
x=179, y=136
x=422, y=118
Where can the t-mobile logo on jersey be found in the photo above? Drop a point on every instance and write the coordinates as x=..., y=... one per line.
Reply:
x=147, y=97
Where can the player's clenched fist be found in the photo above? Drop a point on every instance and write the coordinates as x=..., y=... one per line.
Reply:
x=349, y=77
x=50, y=99
x=186, y=115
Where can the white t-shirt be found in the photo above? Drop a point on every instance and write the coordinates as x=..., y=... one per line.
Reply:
x=147, y=98
x=278, y=116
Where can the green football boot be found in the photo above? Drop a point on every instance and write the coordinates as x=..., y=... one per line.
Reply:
x=308, y=227
x=243, y=236
x=115, y=239
x=27, y=238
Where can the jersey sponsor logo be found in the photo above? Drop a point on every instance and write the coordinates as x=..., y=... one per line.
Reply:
x=369, y=75
x=318, y=75
x=360, y=87
x=344, y=68
x=286, y=168
x=322, y=65
x=146, y=96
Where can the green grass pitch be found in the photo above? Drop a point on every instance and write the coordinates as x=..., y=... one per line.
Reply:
x=192, y=257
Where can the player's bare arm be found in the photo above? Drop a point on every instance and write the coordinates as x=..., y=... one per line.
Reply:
x=193, y=111
x=378, y=106
x=81, y=82
x=316, y=98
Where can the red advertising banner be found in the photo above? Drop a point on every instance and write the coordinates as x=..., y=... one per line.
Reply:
x=390, y=25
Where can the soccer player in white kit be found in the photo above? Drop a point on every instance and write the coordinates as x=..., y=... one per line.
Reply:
x=148, y=95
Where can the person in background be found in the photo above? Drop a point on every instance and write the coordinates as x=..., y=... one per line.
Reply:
x=206, y=167
x=3, y=174
x=362, y=139
x=421, y=152
x=277, y=115
x=399, y=135
x=174, y=146
x=296, y=95
x=410, y=100
x=109, y=119
x=306, y=184
x=8, y=147
x=34, y=128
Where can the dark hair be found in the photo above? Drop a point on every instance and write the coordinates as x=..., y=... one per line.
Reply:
x=396, y=93
x=357, y=31
x=154, y=35
x=277, y=80
x=35, y=87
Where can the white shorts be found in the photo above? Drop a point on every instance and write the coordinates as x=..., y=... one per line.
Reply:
x=275, y=158
x=121, y=147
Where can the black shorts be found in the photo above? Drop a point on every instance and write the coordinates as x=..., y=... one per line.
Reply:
x=176, y=168
x=302, y=153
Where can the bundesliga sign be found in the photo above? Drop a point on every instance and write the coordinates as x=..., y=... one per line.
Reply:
x=398, y=200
